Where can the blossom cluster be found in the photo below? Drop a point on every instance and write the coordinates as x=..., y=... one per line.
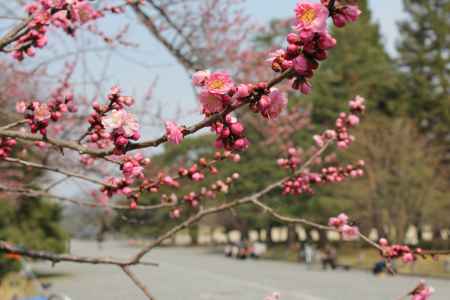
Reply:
x=132, y=168
x=344, y=122
x=193, y=198
x=341, y=224
x=39, y=115
x=399, y=251
x=65, y=14
x=6, y=146
x=111, y=123
x=308, y=45
x=293, y=160
x=343, y=13
x=422, y=292
x=195, y=172
x=230, y=134
x=218, y=92
x=303, y=182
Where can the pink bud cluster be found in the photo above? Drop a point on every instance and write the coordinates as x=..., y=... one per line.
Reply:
x=399, y=251
x=193, y=199
x=343, y=13
x=6, y=145
x=230, y=134
x=303, y=183
x=340, y=223
x=293, y=160
x=309, y=44
x=65, y=14
x=195, y=172
x=39, y=114
x=132, y=168
x=344, y=122
x=112, y=123
x=272, y=105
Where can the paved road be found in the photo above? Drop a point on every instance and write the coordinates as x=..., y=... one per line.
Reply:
x=187, y=274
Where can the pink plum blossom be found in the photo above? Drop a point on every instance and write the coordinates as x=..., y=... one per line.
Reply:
x=351, y=13
x=422, y=291
x=273, y=104
x=42, y=112
x=219, y=83
x=349, y=233
x=174, y=133
x=21, y=106
x=121, y=119
x=211, y=103
x=199, y=78
x=311, y=17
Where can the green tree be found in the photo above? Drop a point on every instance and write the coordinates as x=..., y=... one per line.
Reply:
x=424, y=58
x=30, y=223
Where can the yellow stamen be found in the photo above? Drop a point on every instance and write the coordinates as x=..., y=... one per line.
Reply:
x=216, y=84
x=308, y=16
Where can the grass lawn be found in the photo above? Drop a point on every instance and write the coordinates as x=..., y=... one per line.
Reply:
x=365, y=259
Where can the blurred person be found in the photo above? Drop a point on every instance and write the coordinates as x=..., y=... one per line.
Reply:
x=309, y=253
x=329, y=257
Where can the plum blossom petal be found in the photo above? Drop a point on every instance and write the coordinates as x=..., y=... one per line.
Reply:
x=174, y=133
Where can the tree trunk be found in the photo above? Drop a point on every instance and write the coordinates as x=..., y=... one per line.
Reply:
x=269, y=239
x=193, y=233
x=292, y=237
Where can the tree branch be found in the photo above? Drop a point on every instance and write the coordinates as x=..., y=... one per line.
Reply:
x=56, y=258
x=137, y=282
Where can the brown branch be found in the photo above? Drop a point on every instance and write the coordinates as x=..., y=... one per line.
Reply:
x=40, y=193
x=73, y=145
x=137, y=282
x=15, y=33
x=12, y=125
x=291, y=220
x=151, y=26
x=169, y=21
x=54, y=169
x=56, y=258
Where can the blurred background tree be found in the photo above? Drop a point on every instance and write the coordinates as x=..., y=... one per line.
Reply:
x=424, y=60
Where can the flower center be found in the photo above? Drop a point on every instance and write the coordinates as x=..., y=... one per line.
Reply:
x=308, y=16
x=216, y=84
